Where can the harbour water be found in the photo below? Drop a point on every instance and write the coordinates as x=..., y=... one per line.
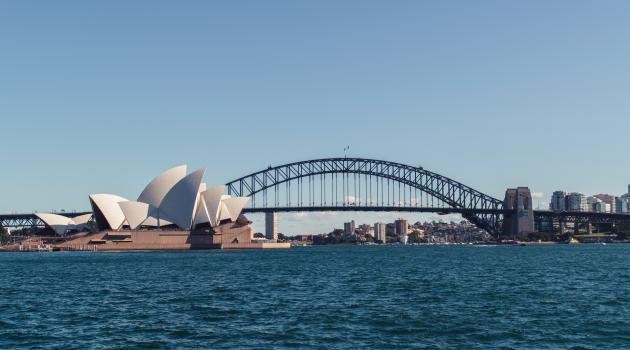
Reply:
x=329, y=297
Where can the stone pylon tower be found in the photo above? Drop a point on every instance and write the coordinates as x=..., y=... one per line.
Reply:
x=520, y=222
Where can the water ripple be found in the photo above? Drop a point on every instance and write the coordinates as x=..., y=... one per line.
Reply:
x=336, y=297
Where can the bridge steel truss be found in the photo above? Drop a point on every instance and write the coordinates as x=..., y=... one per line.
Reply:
x=482, y=210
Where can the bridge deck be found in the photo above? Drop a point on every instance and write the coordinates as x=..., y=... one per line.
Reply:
x=376, y=209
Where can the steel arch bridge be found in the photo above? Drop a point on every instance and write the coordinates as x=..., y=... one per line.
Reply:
x=359, y=184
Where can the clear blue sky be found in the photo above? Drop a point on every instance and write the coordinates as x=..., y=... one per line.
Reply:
x=100, y=96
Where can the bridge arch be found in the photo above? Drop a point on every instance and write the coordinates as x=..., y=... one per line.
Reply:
x=477, y=207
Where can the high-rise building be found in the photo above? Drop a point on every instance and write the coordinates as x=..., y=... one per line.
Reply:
x=348, y=230
x=622, y=205
x=380, y=232
x=590, y=202
x=576, y=202
x=558, y=201
x=401, y=227
x=401, y=230
x=601, y=207
x=608, y=199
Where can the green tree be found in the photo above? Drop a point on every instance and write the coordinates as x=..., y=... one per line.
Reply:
x=622, y=230
x=4, y=236
x=414, y=237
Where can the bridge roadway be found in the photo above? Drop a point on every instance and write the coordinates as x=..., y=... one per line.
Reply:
x=439, y=210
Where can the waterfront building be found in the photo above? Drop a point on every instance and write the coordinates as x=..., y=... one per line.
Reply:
x=304, y=237
x=401, y=230
x=622, y=205
x=348, y=230
x=174, y=211
x=590, y=201
x=380, y=232
x=366, y=229
x=558, y=201
x=608, y=199
x=576, y=202
x=600, y=206
x=401, y=227
x=171, y=199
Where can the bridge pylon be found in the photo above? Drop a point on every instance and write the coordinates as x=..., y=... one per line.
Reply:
x=518, y=221
x=271, y=225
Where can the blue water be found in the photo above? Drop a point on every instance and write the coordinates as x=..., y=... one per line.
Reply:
x=334, y=297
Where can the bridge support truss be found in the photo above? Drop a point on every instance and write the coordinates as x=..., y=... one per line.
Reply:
x=360, y=184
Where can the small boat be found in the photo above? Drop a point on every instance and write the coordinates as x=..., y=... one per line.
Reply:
x=510, y=242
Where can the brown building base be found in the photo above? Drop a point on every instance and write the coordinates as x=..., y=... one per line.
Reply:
x=226, y=236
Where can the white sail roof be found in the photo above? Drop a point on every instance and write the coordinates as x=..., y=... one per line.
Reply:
x=152, y=219
x=212, y=199
x=224, y=213
x=57, y=223
x=107, y=204
x=157, y=189
x=82, y=219
x=80, y=222
x=201, y=215
x=179, y=203
x=135, y=213
x=235, y=205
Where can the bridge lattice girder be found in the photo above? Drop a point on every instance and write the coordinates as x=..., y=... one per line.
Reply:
x=479, y=208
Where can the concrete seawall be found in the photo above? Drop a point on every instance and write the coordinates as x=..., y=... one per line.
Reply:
x=162, y=240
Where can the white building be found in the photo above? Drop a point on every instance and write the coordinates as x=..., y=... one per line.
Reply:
x=380, y=232
x=600, y=206
x=590, y=202
x=172, y=199
x=608, y=199
x=401, y=230
x=576, y=202
x=348, y=230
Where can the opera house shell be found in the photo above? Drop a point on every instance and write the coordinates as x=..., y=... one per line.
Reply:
x=173, y=199
x=61, y=224
x=176, y=210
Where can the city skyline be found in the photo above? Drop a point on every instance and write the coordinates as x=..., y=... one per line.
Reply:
x=515, y=101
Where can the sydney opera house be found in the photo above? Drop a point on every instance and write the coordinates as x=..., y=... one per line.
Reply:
x=175, y=210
